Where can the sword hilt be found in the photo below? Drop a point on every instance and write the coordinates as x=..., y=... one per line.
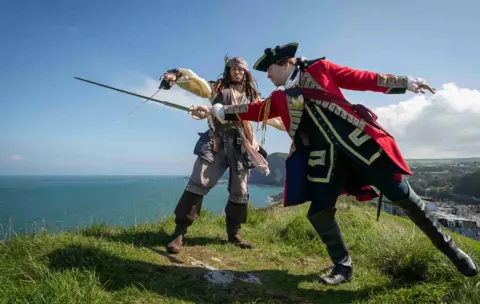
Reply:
x=190, y=111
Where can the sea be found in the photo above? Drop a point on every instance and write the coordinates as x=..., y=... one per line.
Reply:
x=30, y=204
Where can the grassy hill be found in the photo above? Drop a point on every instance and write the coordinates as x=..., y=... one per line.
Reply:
x=394, y=263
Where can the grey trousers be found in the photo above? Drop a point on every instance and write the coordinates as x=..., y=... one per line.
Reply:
x=205, y=176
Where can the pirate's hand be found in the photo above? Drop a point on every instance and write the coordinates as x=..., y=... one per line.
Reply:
x=201, y=112
x=204, y=111
x=417, y=85
x=168, y=80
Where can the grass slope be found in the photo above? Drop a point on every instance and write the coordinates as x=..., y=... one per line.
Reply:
x=394, y=263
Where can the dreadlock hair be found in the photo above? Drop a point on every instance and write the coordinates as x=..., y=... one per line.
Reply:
x=250, y=86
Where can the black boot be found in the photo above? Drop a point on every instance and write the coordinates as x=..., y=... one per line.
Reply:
x=236, y=215
x=186, y=212
x=415, y=209
x=327, y=228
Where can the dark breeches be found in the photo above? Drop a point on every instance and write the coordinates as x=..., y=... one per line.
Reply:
x=379, y=174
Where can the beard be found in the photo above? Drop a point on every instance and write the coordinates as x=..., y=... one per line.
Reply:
x=237, y=82
x=237, y=85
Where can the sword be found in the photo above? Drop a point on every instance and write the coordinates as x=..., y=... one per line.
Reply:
x=379, y=206
x=165, y=103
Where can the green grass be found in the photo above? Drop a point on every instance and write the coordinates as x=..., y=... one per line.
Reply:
x=394, y=263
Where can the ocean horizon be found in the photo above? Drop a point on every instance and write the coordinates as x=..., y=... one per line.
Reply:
x=55, y=203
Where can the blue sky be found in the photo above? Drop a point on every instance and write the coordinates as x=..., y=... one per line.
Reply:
x=53, y=124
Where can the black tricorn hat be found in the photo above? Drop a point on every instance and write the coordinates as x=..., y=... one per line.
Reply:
x=275, y=55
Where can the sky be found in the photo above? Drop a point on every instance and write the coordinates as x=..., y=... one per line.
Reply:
x=51, y=123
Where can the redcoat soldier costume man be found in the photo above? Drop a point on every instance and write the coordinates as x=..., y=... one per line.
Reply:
x=337, y=147
x=230, y=146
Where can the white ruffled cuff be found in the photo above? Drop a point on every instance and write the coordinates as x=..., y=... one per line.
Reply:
x=413, y=84
x=219, y=112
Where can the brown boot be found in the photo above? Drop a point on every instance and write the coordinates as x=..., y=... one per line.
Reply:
x=236, y=239
x=176, y=244
x=186, y=212
x=236, y=214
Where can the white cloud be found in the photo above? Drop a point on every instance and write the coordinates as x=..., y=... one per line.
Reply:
x=443, y=125
x=16, y=158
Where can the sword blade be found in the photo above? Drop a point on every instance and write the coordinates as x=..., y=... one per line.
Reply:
x=379, y=206
x=166, y=103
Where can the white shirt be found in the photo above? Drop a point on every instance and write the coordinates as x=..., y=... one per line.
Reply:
x=290, y=83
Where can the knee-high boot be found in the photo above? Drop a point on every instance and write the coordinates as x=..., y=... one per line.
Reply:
x=236, y=215
x=415, y=209
x=327, y=228
x=186, y=212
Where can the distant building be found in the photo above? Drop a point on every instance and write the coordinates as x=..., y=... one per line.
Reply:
x=432, y=206
x=447, y=210
x=462, y=210
x=476, y=218
x=459, y=225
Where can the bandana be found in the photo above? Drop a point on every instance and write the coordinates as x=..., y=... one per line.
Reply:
x=238, y=62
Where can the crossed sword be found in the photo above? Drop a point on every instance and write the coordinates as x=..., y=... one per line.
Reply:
x=165, y=103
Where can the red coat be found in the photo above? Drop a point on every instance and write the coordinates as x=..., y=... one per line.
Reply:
x=332, y=78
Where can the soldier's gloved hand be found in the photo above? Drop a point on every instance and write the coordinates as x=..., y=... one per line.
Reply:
x=219, y=112
x=417, y=85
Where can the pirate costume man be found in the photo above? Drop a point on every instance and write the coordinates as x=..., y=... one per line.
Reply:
x=230, y=146
x=338, y=148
